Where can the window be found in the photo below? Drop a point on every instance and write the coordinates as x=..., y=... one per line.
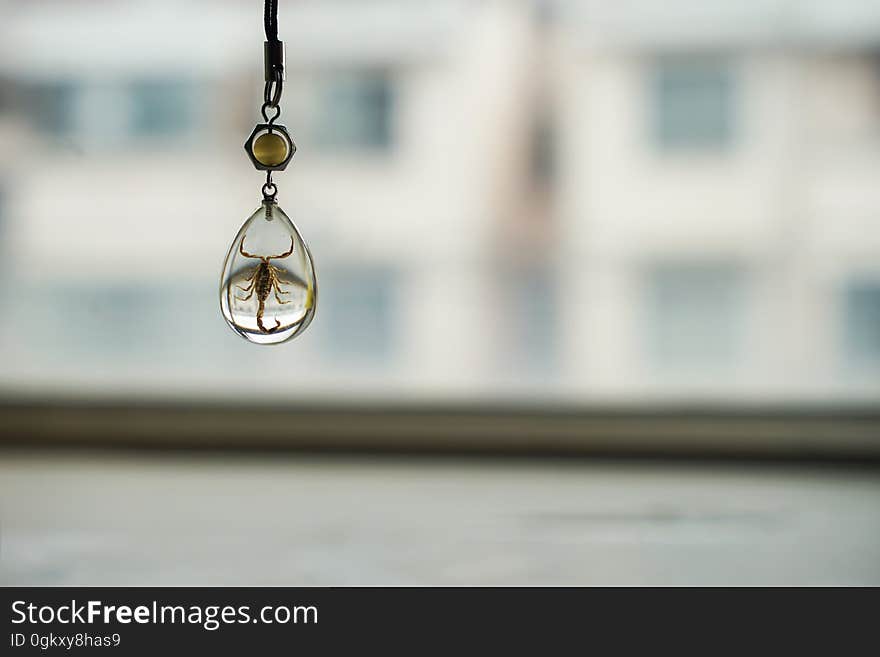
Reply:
x=531, y=310
x=693, y=104
x=695, y=315
x=101, y=322
x=354, y=112
x=356, y=306
x=115, y=322
x=862, y=324
x=160, y=107
x=52, y=106
x=102, y=113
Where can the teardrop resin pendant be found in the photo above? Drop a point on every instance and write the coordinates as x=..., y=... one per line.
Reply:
x=268, y=291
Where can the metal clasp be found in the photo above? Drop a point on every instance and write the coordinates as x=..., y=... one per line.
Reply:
x=273, y=65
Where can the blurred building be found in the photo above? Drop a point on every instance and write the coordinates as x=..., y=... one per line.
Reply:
x=134, y=181
x=718, y=197
x=577, y=200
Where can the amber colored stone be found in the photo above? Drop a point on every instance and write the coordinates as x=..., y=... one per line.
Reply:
x=270, y=149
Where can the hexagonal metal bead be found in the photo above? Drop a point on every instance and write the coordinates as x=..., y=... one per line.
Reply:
x=266, y=127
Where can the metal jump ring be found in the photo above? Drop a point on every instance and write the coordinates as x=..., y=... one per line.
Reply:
x=265, y=112
x=272, y=90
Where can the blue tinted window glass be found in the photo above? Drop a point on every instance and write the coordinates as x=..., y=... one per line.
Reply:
x=532, y=306
x=161, y=107
x=354, y=112
x=695, y=315
x=357, y=305
x=862, y=324
x=52, y=105
x=693, y=104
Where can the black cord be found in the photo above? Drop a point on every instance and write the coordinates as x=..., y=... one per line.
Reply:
x=270, y=19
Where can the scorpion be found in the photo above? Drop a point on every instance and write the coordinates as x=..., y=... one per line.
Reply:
x=264, y=280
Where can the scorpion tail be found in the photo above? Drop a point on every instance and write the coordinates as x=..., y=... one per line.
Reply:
x=262, y=326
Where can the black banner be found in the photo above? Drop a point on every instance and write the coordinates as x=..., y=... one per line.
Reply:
x=328, y=621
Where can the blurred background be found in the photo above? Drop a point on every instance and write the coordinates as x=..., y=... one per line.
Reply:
x=599, y=294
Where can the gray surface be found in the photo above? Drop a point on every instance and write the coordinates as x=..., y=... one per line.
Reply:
x=135, y=519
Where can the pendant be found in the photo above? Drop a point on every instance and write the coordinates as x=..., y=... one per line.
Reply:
x=268, y=289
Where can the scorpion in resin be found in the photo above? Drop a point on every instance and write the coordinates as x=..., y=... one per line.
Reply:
x=264, y=280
